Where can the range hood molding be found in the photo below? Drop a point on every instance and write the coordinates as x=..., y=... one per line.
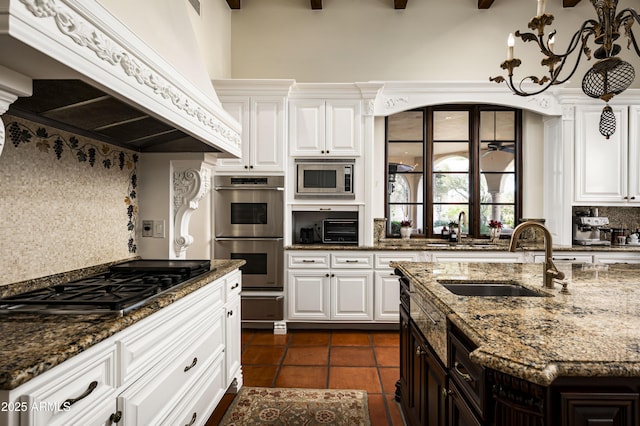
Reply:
x=87, y=39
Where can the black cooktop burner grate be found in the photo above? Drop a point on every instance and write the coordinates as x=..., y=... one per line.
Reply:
x=119, y=290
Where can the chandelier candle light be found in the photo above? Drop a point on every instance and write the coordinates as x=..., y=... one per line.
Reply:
x=608, y=77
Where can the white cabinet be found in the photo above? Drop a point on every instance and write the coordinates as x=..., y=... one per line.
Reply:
x=386, y=285
x=616, y=257
x=171, y=367
x=233, y=329
x=325, y=127
x=263, y=134
x=478, y=256
x=322, y=286
x=606, y=170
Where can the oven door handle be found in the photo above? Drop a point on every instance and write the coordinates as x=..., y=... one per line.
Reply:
x=248, y=239
x=252, y=188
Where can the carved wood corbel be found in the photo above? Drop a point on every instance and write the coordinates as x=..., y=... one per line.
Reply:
x=189, y=186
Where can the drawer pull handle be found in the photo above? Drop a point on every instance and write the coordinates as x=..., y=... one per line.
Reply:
x=430, y=317
x=308, y=261
x=564, y=258
x=351, y=261
x=465, y=376
x=69, y=402
x=236, y=285
x=193, y=364
x=193, y=420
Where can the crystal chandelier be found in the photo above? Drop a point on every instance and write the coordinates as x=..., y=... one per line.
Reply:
x=605, y=79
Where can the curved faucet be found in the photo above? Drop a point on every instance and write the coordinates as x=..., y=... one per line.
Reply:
x=549, y=268
x=462, y=219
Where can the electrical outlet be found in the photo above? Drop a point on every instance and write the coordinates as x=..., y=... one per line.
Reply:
x=147, y=228
x=158, y=229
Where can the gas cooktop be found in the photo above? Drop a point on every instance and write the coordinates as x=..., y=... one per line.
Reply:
x=125, y=287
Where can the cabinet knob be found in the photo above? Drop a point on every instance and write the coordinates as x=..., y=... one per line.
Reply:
x=251, y=167
x=327, y=151
x=420, y=351
x=230, y=313
x=246, y=167
x=115, y=417
x=333, y=275
x=327, y=275
x=322, y=152
x=633, y=198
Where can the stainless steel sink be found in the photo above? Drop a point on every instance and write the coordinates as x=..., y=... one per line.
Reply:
x=488, y=288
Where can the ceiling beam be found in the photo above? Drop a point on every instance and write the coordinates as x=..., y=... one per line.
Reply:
x=400, y=4
x=484, y=4
x=569, y=3
x=233, y=4
x=316, y=4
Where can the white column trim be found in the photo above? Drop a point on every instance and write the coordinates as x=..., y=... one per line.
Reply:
x=189, y=186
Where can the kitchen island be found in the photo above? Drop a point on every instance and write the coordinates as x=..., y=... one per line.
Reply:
x=552, y=358
x=97, y=368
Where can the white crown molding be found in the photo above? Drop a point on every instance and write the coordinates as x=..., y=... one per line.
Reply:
x=84, y=36
x=398, y=96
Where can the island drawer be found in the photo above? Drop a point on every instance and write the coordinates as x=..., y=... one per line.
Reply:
x=468, y=376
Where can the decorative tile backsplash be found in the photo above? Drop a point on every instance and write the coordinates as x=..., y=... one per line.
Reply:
x=66, y=202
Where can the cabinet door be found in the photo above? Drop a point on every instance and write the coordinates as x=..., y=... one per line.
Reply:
x=600, y=163
x=352, y=295
x=267, y=135
x=307, y=127
x=634, y=154
x=233, y=345
x=239, y=109
x=308, y=295
x=459, y=412
x=343, y=128
x=387, y=296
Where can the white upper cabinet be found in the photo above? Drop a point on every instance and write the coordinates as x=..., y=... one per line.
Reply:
x=261, y=108
x=606, y=169
x=325, y=127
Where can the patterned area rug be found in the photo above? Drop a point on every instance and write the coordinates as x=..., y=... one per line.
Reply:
x=288, y=406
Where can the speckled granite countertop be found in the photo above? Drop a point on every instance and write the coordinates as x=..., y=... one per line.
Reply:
x=392, y=244
x=31, y=344
x=592, y=331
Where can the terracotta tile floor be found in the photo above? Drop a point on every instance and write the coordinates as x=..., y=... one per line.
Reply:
x=323, y=359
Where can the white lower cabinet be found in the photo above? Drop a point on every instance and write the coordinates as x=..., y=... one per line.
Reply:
x=172, y=367
x=344, y=286
x=616, y=257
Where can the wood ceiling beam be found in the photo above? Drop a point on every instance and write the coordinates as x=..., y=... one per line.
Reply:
x=233, y=4
x=316, y=4
x=569, y=3
x=484, y=4
x=400, y=4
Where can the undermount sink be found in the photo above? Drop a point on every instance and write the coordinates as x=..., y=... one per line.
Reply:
x=488, y=288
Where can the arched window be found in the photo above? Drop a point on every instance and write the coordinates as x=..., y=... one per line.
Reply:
x=452, y=159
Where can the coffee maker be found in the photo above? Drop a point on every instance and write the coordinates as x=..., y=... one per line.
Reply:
x=586, y=230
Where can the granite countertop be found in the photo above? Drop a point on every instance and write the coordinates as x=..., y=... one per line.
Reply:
x=31, y=344
x=592, y=331
x=421, y=244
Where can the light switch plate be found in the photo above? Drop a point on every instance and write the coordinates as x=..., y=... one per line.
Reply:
x=158, y=228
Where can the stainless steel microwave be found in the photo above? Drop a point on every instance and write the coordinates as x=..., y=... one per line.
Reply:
x=321, y=178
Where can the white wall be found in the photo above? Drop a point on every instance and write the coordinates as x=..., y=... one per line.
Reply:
x=363, y=40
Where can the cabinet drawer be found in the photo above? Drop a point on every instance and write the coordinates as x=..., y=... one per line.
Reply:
x=167, y=328
x=79, y=394
x=308, y=260
x=381, y=260
x=351, y=260
x=469, y=377
x=565, y=258
x=154, y=397
x=198, y=404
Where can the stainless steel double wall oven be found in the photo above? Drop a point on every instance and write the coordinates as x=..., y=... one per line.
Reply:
x=248, y=212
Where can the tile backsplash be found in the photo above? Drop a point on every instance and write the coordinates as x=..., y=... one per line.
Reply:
x=66, y=202
x=619, y=217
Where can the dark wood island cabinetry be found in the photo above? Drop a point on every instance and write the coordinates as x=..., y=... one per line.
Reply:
x=519, y=361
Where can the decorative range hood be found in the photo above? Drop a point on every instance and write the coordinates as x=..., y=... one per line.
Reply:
x=67, y=49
